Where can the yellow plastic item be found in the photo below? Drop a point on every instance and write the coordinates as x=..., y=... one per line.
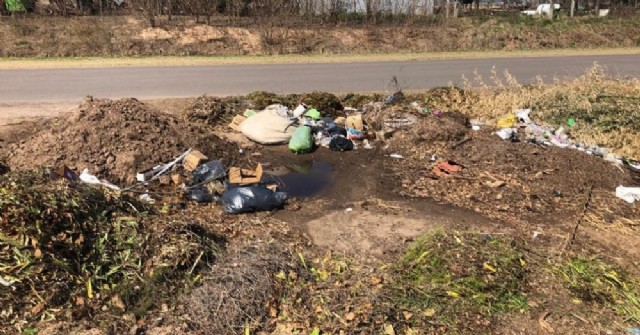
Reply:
x=508, y=121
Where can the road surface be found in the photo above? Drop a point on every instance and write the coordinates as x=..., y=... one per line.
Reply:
x=56, y=85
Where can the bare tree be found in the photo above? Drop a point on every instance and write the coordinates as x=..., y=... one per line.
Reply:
x=150, y=9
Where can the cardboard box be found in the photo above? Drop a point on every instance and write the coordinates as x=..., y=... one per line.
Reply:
x=193, y=160
x=244, y=176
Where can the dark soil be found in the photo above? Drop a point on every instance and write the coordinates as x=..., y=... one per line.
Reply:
x=114, y=139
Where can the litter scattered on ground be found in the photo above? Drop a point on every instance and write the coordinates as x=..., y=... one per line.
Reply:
x=519, y=126
x=443, y=168
x=628, y=194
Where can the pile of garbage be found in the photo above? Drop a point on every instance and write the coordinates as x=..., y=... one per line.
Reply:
x=192, y=176
x=305, y=128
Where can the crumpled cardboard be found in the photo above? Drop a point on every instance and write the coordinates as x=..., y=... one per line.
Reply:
x=245, y=176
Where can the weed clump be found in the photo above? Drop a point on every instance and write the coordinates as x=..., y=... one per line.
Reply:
x=240, y=292
x=69, y=245
x=448, y=277
x=594, y=281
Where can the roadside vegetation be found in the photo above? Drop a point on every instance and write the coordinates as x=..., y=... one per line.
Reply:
x=130, y=36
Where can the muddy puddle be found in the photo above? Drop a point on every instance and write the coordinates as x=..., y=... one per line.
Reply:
x=303, y=179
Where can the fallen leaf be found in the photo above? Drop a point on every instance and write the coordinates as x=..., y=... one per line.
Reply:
x=318, y=309
x=117, y=302
x=37, y=308
x=37, y=253
x=488, y=266
x=315, y=331
x=495, y=184
x=388, y=329
x=411, y=331
x=429, y=312
x=407, y=315
x=350, y=316
x=544, y=325
x=89, y=289
x=453, y=294
x=79, y=301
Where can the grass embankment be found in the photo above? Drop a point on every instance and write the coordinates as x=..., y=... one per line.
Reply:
x=121, y=36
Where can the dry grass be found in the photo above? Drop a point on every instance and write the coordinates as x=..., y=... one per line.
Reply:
x=239, y=293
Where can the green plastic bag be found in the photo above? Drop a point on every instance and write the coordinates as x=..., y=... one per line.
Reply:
x=301, y=141
x=313, y=113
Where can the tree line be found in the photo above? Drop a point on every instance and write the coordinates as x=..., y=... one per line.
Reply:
x=326, y=10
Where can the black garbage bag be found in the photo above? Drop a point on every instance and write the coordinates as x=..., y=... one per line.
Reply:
x=200, y=195
x=339, y=143
x=337, y=131
x=209, y=171
x=251, y=199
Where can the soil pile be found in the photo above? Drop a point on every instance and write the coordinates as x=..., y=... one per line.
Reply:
x=506, y=180
x=114, y=139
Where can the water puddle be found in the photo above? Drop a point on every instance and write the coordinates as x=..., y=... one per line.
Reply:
x=302, y=180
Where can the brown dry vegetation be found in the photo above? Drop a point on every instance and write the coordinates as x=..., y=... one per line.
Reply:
x=130, y=36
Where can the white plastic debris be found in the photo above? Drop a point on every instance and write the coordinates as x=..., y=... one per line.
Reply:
x=299, y=111
x=475, y=128
x=366, y=144
x=523, y=115
x=6, y=283
x=349, y=209
x=505, y=133
x=628, y=194
x=147, y=198
x=396, y=156
x=88, y=178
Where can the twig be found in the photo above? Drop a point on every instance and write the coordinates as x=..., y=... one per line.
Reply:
x=571, y=238
x=459, y=143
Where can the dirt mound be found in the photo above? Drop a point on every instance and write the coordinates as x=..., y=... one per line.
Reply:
x=445, y=129
x=511, y=181
x=214, y=111
x=115, y=139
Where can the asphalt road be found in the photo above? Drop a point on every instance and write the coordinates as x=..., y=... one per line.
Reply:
x=51, y=85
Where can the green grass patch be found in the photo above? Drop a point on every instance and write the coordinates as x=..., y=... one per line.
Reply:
x=448, y=277
x=594, y=281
